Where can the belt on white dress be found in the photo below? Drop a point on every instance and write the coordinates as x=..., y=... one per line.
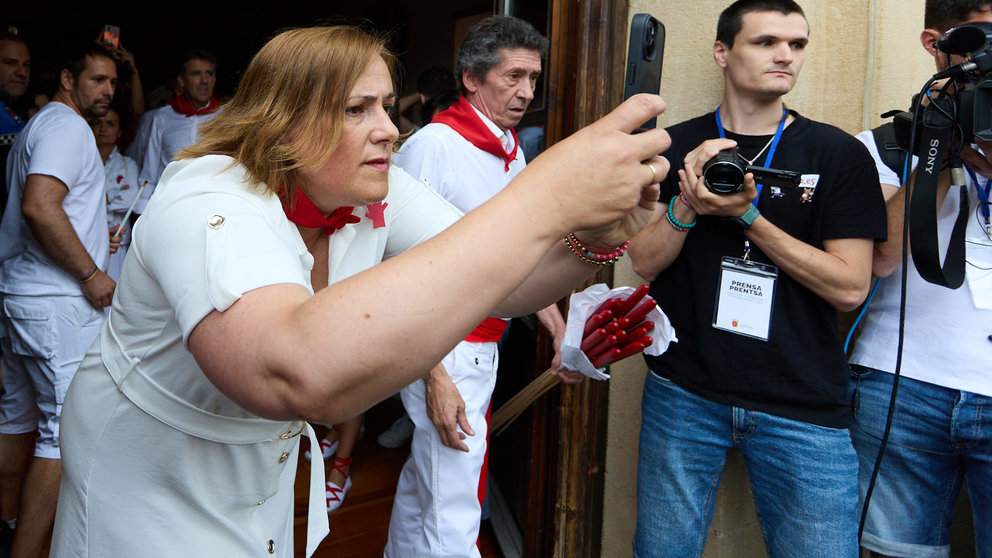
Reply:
x=165, y=407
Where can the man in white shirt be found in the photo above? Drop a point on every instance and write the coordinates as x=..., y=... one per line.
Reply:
x=175, y=126
x=54, y=248
x=468, y=154
x=941, y=435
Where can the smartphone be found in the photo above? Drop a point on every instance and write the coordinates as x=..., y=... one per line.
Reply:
x=112, y=35
x=645, y=51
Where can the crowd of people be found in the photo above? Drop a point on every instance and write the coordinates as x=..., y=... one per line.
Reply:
x=187, y=286
x=267, y=187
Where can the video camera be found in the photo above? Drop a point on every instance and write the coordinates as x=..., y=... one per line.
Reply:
x=970, y=107
x=724, y=174
x=937, y=132
x=974, y=41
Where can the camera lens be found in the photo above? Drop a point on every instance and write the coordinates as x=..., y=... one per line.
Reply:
x=724, y=179
x=723, y=174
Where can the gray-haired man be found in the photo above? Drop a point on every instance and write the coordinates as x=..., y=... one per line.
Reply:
x=468, y=153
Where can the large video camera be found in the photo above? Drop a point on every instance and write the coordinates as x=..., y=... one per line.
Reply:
x=967, y=98
x=936, y=131
x=724, y=174
x=973, y=41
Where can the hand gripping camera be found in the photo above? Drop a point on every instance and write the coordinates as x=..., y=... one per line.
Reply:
x=724, y=174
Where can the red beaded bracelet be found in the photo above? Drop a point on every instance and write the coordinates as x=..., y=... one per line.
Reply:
x=592, y=255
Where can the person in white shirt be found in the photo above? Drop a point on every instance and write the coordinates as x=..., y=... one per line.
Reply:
x=54, y=249
x=136, y=149
x=121, y=183
x=174, y=127
x=468, y=154
x=940, y=441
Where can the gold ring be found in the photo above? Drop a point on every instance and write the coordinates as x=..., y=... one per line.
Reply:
x=654, y=173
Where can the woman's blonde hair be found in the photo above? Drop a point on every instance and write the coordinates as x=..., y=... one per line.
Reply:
x=286, y=116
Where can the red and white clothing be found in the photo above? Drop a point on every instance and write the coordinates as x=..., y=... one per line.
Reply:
x=463, y=174
x=437, y=510
x=121, y=187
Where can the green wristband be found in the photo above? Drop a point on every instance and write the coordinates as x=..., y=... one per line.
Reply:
x=745, y=221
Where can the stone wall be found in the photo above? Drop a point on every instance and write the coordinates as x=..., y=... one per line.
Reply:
x=863, y=59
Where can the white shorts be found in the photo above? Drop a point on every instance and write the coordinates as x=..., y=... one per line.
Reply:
x=42, y=341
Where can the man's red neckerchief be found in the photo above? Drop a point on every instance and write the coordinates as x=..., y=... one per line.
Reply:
x=462, y=118
x=182, y=106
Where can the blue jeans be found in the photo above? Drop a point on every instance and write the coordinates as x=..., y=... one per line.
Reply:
x=804, y=477
x=939, y=439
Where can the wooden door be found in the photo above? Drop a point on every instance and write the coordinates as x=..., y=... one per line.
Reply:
x=550, y=465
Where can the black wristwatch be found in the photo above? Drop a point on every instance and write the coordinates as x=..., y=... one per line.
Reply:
x=745, y=221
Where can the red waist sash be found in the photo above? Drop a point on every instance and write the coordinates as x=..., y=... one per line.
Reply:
x=491, y=329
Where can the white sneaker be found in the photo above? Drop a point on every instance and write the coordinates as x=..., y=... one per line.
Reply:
x=398, y=434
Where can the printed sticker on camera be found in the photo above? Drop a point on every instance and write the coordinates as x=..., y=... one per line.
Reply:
x=807, y=185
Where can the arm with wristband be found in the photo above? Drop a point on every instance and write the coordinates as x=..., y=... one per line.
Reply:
x=42, y=209
x=657, y=246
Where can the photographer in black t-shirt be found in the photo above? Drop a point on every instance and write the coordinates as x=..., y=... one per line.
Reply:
x=752, y=281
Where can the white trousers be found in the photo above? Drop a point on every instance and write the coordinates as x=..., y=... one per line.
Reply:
x=436, y=512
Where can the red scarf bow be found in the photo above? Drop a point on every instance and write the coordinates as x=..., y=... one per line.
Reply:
x=306, y=214
x=182, y=106
x=462, y=118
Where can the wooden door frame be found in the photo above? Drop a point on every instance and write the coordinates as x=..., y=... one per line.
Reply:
x=584, y=82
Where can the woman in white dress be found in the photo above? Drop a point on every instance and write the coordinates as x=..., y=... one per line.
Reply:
x=181, y=429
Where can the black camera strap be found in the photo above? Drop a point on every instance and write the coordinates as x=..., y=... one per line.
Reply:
x=935, y=136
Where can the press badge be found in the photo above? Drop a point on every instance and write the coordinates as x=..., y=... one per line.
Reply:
x=745, y=297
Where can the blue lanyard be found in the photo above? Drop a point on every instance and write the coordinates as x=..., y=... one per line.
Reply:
x=771, y=149
x=983, y=194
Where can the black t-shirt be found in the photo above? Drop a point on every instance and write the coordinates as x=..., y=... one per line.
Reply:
x=800, y=372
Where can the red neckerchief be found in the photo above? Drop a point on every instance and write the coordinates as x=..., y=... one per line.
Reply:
x=462, y=118
x=182, y=106
x=306, y=214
